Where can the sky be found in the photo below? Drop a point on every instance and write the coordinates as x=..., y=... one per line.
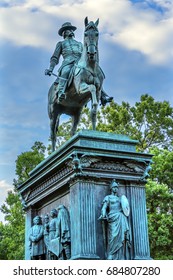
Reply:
x=135, y=51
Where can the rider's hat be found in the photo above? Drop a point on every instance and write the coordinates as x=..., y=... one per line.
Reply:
x=65, y=26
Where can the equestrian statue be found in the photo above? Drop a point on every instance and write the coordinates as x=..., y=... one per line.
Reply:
x=79, y=79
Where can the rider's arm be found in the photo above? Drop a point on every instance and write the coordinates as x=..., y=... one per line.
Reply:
x=105, y=205
x=56, y=55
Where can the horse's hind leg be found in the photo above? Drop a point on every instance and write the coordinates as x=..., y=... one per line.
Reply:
x=75, y=121
x=53, y=134
x=57, y=124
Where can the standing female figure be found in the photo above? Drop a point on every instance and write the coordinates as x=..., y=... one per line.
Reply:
x=114, y=214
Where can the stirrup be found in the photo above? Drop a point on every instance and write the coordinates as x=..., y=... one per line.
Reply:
x=61, y=97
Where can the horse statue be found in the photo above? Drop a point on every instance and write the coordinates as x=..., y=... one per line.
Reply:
x=85, y=85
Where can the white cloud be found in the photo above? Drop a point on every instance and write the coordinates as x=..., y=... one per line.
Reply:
x=146, y=31
x=152, y=39
x=4, y=187
x=35, y=23
x=24, y=28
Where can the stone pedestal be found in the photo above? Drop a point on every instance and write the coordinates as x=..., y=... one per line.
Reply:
x=78, y=176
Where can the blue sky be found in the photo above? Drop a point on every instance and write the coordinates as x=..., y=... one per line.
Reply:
x=136, y=54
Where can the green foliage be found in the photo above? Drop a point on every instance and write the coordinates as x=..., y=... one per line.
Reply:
x=115, y=118
x=159, y=191
x=154, y=122
x=27, y=161
x=13, y=230
x=148, y=121
x=162, y=170
x=160, y=221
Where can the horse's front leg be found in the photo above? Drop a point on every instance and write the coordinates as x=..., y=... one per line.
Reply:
x=94, y=116
x=54, y=123
x=91, y=89
x=93, y=95
x=94, y=106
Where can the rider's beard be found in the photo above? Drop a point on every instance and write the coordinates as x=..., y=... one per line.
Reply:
x=67, y=34
x=71, y=35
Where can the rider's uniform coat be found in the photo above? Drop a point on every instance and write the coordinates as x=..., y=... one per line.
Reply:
x=70, y=50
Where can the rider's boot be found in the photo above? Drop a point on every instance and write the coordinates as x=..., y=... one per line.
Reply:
x=61, y=89
x=105, y=98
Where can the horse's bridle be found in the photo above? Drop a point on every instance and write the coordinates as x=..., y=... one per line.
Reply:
x=91, y=46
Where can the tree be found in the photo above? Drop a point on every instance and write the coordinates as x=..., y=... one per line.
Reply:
x=12, y=232
x=27, y=161
x=160, y=222
x=162, y=166
x=159, y=193
x=148, y=121
x=154, y=121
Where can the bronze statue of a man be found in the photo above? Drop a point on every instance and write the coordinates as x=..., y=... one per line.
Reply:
x=52, y=231
x=46, y=235
x=71, y=51
x=36, y=239
x=53, y=224
x=63, y=232
x=59, y=234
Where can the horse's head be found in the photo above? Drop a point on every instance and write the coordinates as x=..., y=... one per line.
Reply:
x=91, y=35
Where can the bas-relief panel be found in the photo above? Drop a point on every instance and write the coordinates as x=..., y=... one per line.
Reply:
x=64, y=200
